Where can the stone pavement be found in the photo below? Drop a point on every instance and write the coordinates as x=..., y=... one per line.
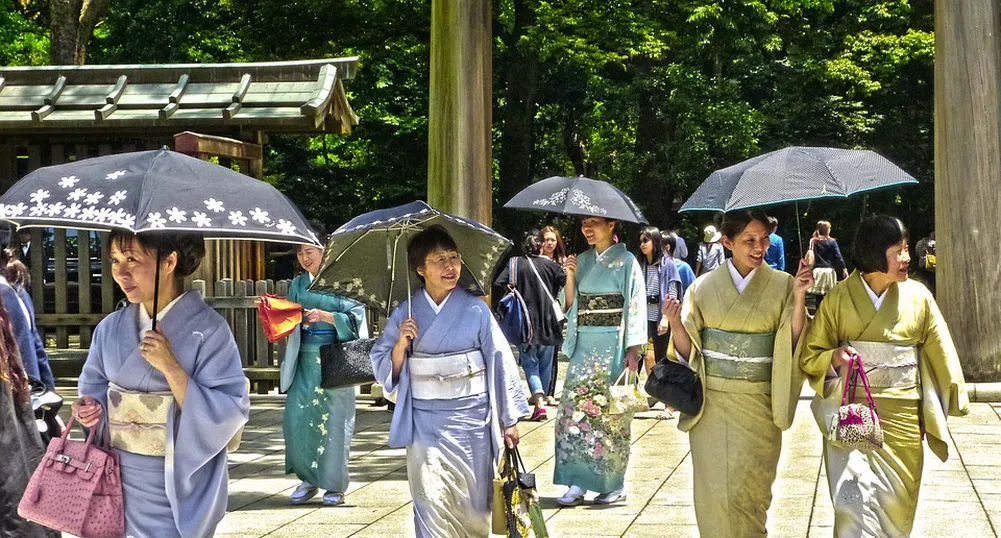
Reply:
x=960, y=498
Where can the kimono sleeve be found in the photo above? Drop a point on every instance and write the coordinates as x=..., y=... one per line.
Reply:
x=382, y=351
x=508, y=394
x=691, y=317
x=819, y=342
x=635, y=333
x=349, y=319
x=93, y=381
x=939, y=352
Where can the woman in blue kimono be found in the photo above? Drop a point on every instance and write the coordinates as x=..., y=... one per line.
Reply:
x=174, y=398
x=607, y=326
x=319, y=423
x=459, y=395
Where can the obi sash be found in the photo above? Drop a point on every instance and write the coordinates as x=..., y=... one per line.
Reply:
x=740, y=356
x=600, y=309
x=888, y=365
x=137, y=421
x=448, y=376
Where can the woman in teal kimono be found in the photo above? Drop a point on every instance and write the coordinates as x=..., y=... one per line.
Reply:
x=319, y=422
x=606, y=298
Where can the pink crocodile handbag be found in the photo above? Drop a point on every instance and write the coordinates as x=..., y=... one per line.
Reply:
x=77, y=488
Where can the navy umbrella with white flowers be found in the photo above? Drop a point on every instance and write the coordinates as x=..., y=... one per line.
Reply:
x=155, y=191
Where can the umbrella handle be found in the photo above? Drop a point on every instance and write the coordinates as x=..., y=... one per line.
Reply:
x=156, y=287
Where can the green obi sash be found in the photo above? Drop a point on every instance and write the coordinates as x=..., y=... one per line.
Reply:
x=743, y=356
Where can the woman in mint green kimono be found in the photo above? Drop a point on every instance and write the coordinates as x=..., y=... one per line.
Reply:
x=606, y=297
x=319, y=422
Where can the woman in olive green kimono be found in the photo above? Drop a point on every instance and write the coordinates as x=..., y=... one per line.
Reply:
x=738, y=329
x=913, y=370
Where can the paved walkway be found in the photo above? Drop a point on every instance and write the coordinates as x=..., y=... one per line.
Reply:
x=960, y=498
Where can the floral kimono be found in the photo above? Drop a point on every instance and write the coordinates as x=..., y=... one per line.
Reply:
x=608, y=316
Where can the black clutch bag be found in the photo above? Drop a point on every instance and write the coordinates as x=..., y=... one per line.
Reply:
x=676, y=385
x=346, y=364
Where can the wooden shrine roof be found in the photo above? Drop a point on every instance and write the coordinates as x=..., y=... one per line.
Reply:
x=291, y=97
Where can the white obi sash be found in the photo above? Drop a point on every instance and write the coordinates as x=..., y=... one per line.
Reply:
x=888, y=365
x=447, y=377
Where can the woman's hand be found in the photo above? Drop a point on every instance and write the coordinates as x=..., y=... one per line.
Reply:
x=87, y=411
x=570, y=265
x=804, y=278
x=511, y=436
x=663, y=327
x=842, y=356
x=315, y=315
x=408, y=332
x=633, y=358
x=671, y=310
x=155, y=348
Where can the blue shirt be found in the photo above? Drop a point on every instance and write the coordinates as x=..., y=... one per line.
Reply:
x=686, y=274
x=775, y=257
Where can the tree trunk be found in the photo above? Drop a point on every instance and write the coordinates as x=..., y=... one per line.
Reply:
x=652, y=189
x=72, y=25
x=967, y=165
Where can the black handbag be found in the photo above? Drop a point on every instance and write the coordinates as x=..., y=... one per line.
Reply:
x=676, y=385
x=346, y=364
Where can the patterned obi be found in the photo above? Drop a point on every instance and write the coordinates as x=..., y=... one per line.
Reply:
x=600, y=309
x=742, y=356
x=447, y=377
x=889, y=366
x=138, y=421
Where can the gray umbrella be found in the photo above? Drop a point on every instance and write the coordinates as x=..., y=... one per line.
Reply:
x=577, y=196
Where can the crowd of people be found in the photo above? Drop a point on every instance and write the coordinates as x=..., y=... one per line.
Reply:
x=739, y=320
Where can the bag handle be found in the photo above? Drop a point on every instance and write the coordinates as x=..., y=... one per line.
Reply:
x=624, y=377
x=512, y=272
x=856, y=371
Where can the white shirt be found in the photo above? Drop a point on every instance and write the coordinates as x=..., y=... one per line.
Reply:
x=436, y=307
x=877, y=301
x=146, y=321
x=740, y=282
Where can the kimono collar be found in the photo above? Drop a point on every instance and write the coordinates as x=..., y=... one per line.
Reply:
x=877, y=300
x=599, y=257
x=436, y=307
x=146, y=322
x=311, y=277
x=740, y=282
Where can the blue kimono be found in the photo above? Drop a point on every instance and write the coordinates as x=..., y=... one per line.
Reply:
x=319, y=423
x=183, y=494
x=22, y=319
x=452, y=444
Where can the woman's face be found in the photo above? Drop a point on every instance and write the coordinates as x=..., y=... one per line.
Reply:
x=548, y=244
x=646, y=245
x=309, y=258
x=597, y=230
x=749, y=246
x=441, y=269
x=134, y=270
x=897, y=259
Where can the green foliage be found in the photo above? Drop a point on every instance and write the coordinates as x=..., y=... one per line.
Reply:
x=23, y=37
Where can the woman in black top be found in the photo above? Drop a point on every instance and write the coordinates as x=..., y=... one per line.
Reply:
x=828, y=264
x=538, y=280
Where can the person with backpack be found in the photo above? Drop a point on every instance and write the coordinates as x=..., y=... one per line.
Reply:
x=538, y=281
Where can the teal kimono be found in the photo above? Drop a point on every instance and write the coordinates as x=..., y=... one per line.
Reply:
x=608, y=316
x=319, y=422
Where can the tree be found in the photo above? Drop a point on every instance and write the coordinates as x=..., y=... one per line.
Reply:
x=72, y=23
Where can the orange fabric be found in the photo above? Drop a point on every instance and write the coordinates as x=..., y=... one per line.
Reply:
x=279, y=317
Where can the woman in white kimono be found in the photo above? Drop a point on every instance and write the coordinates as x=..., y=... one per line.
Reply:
x=913, y=369
x=459, y=395
x=171, y=399
x=738, y=329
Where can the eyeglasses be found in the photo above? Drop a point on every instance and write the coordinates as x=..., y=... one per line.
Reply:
x=443, y=261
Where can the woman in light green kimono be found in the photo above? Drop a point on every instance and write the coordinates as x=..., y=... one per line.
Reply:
x=913, y=370
x=738, y=329
x=606, y=327
x=319, y=422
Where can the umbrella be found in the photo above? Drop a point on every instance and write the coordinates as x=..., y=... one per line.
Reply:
x=154, y=192
x=355, y=251
x=793, y=174
x=577, y=196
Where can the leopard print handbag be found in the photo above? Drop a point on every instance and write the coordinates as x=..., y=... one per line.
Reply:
x=857, y=424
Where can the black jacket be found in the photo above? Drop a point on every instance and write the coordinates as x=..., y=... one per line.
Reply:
x=547, y=331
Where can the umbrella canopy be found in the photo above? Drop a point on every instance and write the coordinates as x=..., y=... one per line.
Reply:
x=577, y=196
x=366, y=259
x=154, y=191
x=793, y=174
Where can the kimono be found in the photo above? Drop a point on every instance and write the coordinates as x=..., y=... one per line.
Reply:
x=743, y=354
x=182, y=494
x=319, y=423
x=607, y=317
x=22, y=450
x=876, y=494
x=453, y=445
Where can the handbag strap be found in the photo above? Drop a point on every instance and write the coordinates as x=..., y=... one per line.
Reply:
x=512, y=271
x=545, y=288
x=855, y=372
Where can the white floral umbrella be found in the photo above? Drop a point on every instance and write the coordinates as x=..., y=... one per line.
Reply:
x=577, y=196
x=155, y=191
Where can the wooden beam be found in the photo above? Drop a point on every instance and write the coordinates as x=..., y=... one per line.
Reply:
x=194, y=144
x=317, y=106
x=102, y=113
x=241, y=92
x=2, y=83
x=182, y=86
x=116, y=92
x=57, y=90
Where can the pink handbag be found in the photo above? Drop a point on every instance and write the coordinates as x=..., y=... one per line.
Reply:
x=858, y=425
x=77, y=488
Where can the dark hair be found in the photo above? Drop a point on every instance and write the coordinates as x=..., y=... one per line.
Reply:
x=11, y=367
x=424, y=243
x=774, y=222
x=734, y=222
x=190, y=248
x=656, y=238
x=874, y=236
x=671, y=242
x=532, y=245
x=13, y=270
x=560, y=253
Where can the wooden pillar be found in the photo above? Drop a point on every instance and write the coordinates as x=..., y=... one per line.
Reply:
x=967, y=168
x=460, y=164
